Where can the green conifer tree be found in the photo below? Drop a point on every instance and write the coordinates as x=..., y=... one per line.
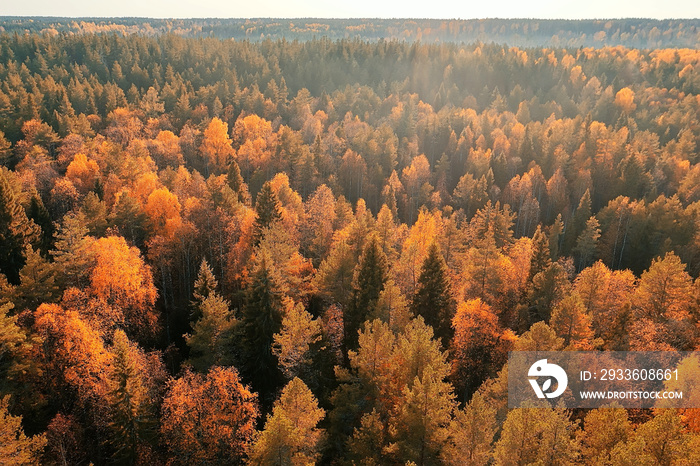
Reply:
x=368, y=282
x=267, y=208
x=433, y=299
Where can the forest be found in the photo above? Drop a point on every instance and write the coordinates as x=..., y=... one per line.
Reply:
x=321, y=251
x=628, y=32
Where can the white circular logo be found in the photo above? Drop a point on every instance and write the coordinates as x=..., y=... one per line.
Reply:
x=542, y=369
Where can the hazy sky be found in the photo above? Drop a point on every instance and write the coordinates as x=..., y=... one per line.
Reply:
x=356, y=8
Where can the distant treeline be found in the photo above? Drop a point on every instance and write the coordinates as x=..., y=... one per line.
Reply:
x=635, y=33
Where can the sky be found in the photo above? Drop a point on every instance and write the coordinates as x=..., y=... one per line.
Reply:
x=443, y=9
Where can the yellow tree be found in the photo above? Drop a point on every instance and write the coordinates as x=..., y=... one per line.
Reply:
x=163, y=210
x=290, y=436
x=216, y=146
x=15, y=447
x=122, y=279
x=624, y=99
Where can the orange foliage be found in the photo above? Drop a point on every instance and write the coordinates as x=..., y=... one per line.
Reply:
x=83, y=172
x=209, y=419
x=122, y=279
x=72, y=351
x=163, y=209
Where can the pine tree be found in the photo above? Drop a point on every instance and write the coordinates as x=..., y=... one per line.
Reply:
x=204, y=286
x=290, y=435
x=267, y=208
x=368, y=282
x=132, y=423
x=433, y=300
x=212, y=334
x=72, y=251
x=236, y=183
x=262, y=319
x=16, y=231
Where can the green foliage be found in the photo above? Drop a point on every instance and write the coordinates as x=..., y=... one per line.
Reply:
x=368, y=282
x=433, y=299
x=267, y=208
x=261, y=320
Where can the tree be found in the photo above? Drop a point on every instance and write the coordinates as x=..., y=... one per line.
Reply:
x=295, y=345
x=212, y=334
x=132, y=422
x=204, y=286
x=121, y=277
x=16, y=230
x=37, y=282
x=479, y=348
x=586, y=243
x=15, y=350
x=15, y=446
x=571, y=322
x=267, y=209
x=625, y=100
x=368, y=282
x=163, y=211
x=664, y=290
x=208, y=419
x=604, y=429
x=236, y=183
x=261, y=320
x=471, y=434
x=433, y=300
x=541, y=253
x=661, y=440
x=216, y=146
x=424, y=417
x=538, y=434
x=290, y=435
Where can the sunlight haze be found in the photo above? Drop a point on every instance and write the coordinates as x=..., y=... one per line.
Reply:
x=549, y=9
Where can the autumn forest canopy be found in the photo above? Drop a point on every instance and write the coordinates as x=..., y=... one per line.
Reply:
x=242, y=248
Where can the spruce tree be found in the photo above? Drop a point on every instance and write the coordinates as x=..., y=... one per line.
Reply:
x=368, y=282
x=267, y=208
x=541, y=255
x=236, y=183
x=261, y=320
x=433, y=299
